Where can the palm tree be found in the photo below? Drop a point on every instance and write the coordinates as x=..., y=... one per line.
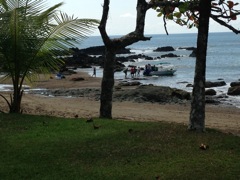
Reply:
x=32, y=37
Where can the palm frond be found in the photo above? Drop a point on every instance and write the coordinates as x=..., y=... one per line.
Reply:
x=31, y=36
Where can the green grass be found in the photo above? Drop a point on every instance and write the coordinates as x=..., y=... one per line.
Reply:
x=38, y=147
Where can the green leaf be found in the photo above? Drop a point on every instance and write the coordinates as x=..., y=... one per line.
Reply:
x=177, y=14
x=160, y=14
x=170, y=16
x=183, y=7
x=190, y=26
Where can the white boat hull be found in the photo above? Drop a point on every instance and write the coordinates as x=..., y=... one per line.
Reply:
x=163, y=72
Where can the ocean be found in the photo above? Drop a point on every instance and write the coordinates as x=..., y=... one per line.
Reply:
x=223, y=60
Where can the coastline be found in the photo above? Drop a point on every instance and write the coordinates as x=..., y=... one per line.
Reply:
x=224, y=118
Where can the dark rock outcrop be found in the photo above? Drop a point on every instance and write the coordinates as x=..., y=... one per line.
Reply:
x=78, y=79
x=159, y=94
x=210, y=92
x=148, y=93
x=233, y=84
x=164, y=49
x=234, y=91
x=210, y=84
x=211, y=100
x=98, y=50
x=189, y=85
x=188, y=48
x=129, y=83
x=169, y=55
x=193, y=54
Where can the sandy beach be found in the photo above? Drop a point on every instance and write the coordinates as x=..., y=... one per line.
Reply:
x=226, y=119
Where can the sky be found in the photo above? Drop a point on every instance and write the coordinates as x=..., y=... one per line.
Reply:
x=122, y=15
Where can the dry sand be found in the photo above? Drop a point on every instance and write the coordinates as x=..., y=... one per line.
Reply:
x=226, y=119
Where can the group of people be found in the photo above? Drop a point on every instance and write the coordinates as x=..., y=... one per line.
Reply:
x=135, y=72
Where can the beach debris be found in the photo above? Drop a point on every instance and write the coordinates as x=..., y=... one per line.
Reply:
x=89, y=120
x=130, y=131
x=96, y=127
x=76, y=116
x=77, y=79
x=44, y=123
x=203, y=146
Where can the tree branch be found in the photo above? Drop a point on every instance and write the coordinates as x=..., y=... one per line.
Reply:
x=225, y=24
x=153, y=4
x=103, y=23
x=9, y=105
x=130, y=38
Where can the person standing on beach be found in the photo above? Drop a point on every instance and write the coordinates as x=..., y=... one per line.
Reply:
x=94, y=72
x=138, y=71
x=132, y=71
x=125, y=72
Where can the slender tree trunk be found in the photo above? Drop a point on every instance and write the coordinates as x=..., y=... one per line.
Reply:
x=107, y=84
x=112, y=45
x=197, y=114
x=16, y=99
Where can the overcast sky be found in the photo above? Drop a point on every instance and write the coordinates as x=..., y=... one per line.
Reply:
x=122, y=17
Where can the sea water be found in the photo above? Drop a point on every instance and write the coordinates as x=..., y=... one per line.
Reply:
x=223, y=59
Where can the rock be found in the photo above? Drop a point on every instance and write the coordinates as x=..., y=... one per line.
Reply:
x=141, y=94
x=221, y=96
x=181, y=94
x=132, y=83
x=210, y=92
x=189, y=85
x=118, y=87
x=139, y=56
x=182, y=82
x=100, y=50
x=169, y=55
x=159, y=94
x=77, y=79
x=188, y=48
x=234, y=91
x=164, y=49
x=233, y=84
x=210, y=100
x=209, y=84
x=193, y=54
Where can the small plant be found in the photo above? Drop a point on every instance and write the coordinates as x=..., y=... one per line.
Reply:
x=32, y=37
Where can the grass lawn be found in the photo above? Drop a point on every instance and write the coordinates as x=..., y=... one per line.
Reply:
x=39, y=147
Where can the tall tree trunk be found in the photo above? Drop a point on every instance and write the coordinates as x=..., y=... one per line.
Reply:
x=16, y=99
x=16, y=103
x=112, y=45
x=107, y=84
x=197, y=114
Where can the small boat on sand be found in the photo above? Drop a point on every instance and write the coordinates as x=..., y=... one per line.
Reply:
x=163, y=72
x=161, y=69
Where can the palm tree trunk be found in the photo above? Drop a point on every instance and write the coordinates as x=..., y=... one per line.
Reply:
x=107, y=84
x=16, y=99
x=197, y=114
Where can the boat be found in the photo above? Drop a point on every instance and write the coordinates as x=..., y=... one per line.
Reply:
x=160, y=69
x=163, y=72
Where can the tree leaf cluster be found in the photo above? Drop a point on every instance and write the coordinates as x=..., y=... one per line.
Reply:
x=186, y=12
